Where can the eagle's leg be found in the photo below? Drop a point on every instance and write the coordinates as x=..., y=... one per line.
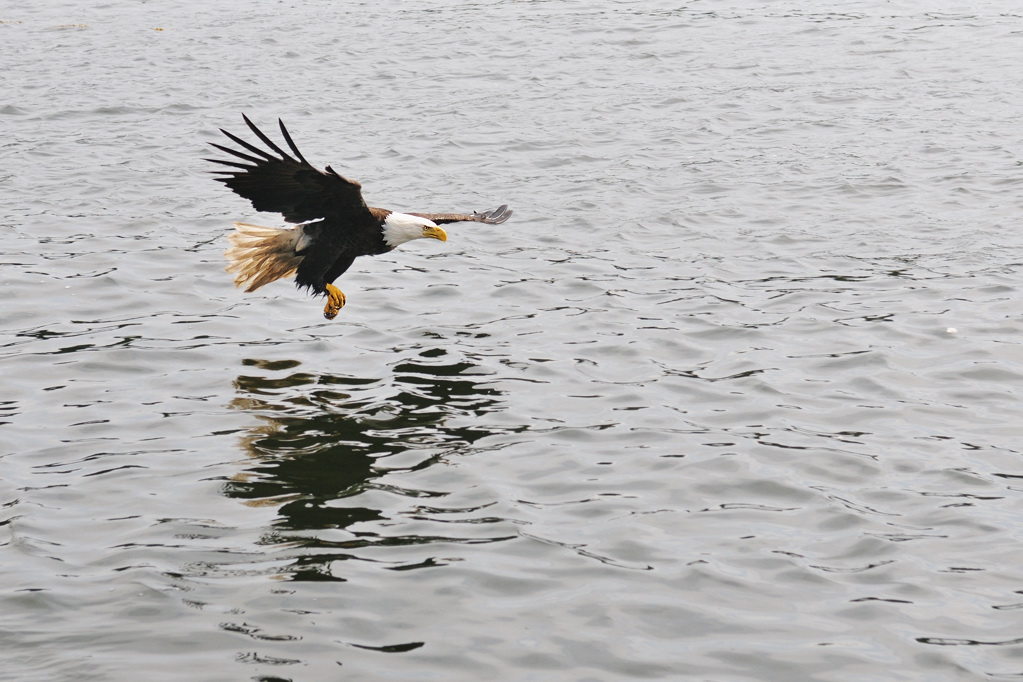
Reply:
x=335, y=301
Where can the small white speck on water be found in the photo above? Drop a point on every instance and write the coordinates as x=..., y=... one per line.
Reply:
x=951, y=330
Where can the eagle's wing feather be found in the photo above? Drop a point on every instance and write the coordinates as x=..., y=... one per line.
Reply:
x=289, y=186
x=493, y=217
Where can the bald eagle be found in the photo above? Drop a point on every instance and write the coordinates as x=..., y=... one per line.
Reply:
x=333, y=224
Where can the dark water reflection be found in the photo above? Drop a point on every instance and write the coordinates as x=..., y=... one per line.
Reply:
x=325, y=440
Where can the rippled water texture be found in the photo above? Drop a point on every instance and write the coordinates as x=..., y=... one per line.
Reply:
x=735, y=395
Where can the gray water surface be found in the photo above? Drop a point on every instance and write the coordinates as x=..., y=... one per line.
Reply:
x=735, y=394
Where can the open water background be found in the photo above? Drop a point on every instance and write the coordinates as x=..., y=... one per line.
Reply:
x=735, y=395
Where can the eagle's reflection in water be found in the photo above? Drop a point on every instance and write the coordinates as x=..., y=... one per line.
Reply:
x=335, y=454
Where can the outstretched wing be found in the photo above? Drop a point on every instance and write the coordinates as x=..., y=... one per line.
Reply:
x=494, y=217
x=286, y=185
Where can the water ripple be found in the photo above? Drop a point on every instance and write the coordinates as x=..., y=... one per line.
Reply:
x=734, y=396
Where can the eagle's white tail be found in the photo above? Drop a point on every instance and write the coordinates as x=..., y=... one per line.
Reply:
x=260, y=255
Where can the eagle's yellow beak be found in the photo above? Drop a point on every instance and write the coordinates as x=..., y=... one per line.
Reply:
x=436, y=233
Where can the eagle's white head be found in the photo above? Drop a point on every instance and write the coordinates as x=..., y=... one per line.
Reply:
x=401, y=227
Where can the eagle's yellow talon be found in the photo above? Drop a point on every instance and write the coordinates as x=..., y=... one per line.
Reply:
x=335, y=302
